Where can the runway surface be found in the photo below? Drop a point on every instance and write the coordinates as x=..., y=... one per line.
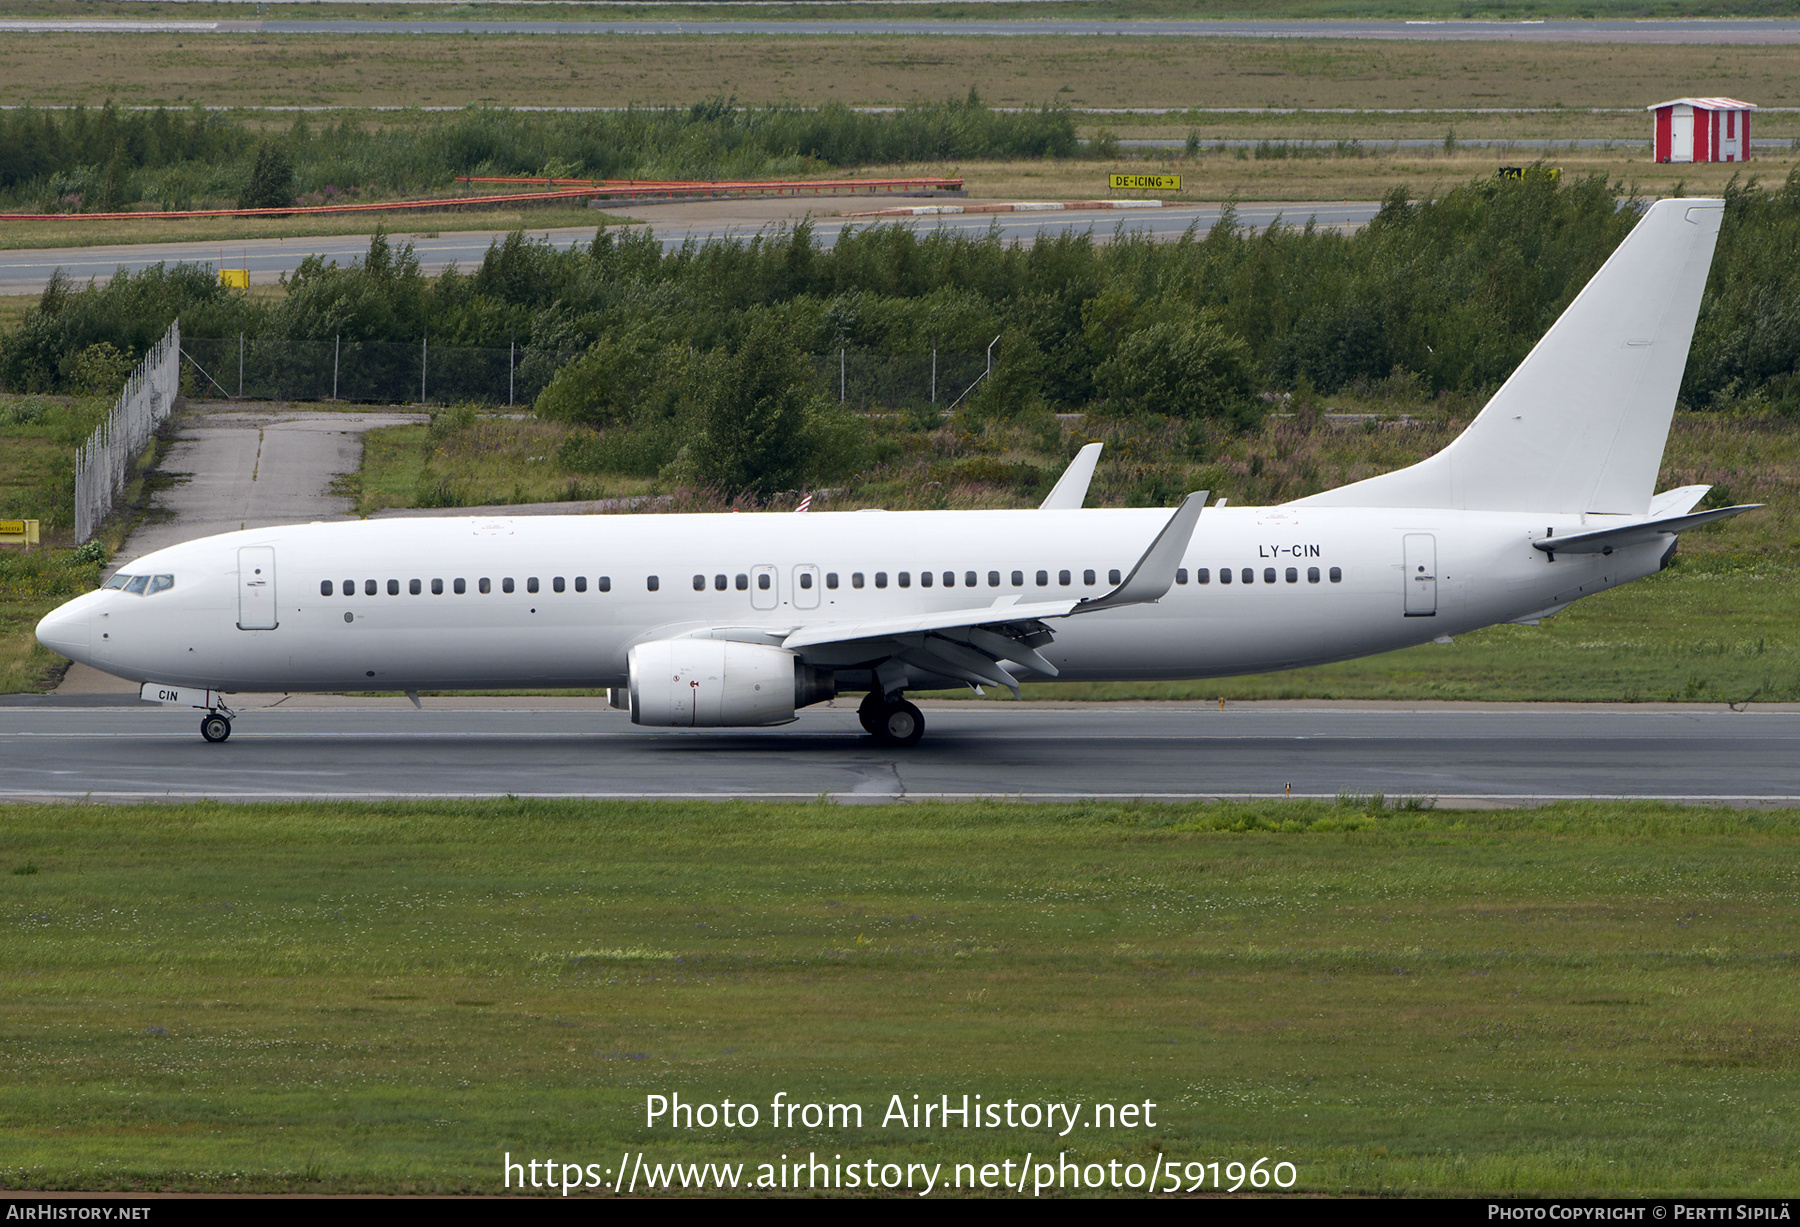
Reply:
x=25, y=271
x=54, y=749
x=1704, y=31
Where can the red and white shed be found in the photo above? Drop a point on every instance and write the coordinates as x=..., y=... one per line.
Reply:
x=1703, y=130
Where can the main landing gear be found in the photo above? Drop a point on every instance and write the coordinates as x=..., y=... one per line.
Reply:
x=215, y=725
x=891, y=721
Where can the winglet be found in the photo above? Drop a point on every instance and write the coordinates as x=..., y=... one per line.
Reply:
x=1070, y=491
x=1154, y=573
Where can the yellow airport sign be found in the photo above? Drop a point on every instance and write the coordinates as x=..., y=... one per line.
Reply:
x=18, y=532
x=1144, y=183
x=235, y=278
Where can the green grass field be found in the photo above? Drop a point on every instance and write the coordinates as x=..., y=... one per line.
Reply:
x=1587, y=999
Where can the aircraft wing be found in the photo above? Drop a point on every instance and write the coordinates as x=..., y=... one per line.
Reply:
x=1606, y=540
x=972, y=643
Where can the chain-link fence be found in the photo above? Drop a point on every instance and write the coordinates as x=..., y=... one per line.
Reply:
x=866, y=380
x=102, y=462
x=392, y=373
x=382, y=372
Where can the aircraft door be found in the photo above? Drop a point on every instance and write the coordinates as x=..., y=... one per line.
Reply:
x=256, y=588
x=765, y=590
x=806, y=587
x=1421, y=575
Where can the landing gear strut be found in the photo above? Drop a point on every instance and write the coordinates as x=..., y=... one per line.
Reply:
x=891, y=721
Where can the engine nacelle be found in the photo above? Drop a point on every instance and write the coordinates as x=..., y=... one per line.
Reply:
x=714, y=683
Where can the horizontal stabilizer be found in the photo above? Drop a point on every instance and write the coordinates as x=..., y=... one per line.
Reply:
x=1606, y=540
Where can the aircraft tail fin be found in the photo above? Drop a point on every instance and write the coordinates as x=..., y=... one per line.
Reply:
x=1580, y=425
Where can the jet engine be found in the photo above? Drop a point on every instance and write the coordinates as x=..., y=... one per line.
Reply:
x=715, y=683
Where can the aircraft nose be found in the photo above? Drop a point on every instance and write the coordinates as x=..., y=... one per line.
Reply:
x=67, y=629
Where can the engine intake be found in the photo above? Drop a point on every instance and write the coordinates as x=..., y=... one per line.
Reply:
x=714, y=683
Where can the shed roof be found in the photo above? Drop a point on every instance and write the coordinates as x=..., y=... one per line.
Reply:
x=1710, y=104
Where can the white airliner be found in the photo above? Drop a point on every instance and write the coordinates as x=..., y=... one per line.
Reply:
x=732, y=620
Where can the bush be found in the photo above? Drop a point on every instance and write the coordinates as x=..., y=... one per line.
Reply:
x=98, y=370
x=1187, y=369
x=271, y=181
x=756, y=423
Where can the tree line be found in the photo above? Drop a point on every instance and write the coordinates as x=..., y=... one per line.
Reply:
x=1437, y=296
x=104, y=159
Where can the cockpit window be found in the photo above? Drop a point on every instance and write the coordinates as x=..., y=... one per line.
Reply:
x=117, y=581
x=137, y=585
x=162, y=583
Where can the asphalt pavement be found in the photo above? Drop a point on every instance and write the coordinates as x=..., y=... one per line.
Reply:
x=1465, y=755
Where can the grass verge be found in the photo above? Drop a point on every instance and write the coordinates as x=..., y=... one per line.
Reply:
x=1588, y=998
x=402, y=70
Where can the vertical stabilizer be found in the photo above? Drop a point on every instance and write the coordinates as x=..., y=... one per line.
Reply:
x=1580, y=425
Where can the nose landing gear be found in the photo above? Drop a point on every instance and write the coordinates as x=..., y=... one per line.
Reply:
x=215, y=725
x=891, y=721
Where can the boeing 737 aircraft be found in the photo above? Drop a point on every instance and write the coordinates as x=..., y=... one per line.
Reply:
x=723, y=620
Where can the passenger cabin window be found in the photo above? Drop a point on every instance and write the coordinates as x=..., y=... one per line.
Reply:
x=1112, y=576
x=831, y=579
x=924, y=579
x=881, y=579
x=460, y=586
x=531, y=584
x=1248, y=576
x=993, y=579
x=486, y=585
x=581, y=583
x=721, y=582
x=1224, y=575
x=604, y=583
x=1312, y=575
x=1203, y=575
x=743, y=582
x=699, y=583
x=762, y=583
x=1180, y=575
x=905, y=578
x=557, y=584
x=1043, y=579
x=856, y=579
x=393, y=587
x=414, y=587
x=506, y=585
x=652, y=583
x=437, y=587
x=1018, y=579
x=324, y=587
x=1268, y=575
x=1293, y=575
x=806, y=579
x=368, y=587
x=1087, y=576
x=1064, y=578
x=1337, y=575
